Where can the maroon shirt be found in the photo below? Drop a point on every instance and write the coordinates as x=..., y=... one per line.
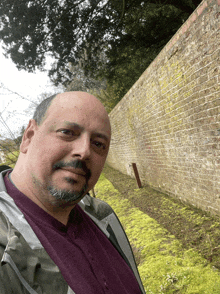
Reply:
x=86, y=258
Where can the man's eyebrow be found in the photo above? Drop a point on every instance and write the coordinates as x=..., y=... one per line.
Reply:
x=73, y=125
x=102, y=136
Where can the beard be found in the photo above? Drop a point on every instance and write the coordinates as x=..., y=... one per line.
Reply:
x=65, y=195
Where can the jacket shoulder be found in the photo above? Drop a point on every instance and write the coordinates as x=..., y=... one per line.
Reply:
x=95, y=207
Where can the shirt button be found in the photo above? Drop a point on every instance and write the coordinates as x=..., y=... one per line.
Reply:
x=105, y=284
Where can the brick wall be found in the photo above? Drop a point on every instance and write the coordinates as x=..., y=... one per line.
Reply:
x=169, y=121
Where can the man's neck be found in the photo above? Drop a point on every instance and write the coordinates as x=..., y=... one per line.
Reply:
x=60, y=211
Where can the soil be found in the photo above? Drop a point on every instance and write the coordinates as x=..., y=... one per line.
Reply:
x=193, y=227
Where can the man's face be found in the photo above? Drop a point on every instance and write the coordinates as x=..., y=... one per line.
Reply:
x=67, y=152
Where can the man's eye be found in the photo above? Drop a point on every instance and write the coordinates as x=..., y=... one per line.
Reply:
x=99, y=145
x=67, y=132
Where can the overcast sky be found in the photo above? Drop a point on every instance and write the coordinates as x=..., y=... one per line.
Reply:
x=27, y=85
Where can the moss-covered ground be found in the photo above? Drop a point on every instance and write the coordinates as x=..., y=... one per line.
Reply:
x=176, y=246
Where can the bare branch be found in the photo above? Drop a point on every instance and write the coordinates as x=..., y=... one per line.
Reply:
x=16, y=93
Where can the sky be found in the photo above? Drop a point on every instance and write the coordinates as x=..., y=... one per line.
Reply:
x=15, y=108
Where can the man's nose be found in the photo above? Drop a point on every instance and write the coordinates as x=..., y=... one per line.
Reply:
x=82, y=147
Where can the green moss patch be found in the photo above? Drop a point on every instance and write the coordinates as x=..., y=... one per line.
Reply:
x=165, y=264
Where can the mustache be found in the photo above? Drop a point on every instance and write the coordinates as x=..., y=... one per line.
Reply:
x=78, y=164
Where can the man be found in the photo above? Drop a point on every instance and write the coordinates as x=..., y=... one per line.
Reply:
x=54, y=237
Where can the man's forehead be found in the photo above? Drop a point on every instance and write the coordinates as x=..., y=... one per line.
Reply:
x=76, y=98
x=77, y=108
x=76, y=101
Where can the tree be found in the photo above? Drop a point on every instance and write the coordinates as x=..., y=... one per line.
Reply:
x=81, y=82
x=113, y=40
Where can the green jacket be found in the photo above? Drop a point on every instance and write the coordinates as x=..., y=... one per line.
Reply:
x=25, y=265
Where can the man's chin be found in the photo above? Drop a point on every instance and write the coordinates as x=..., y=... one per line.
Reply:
x=66, y=195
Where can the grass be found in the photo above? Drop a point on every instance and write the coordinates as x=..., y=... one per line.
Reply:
x=176, y=246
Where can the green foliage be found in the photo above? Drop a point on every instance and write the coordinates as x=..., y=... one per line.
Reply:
x=164, y=265
x=10, y=148
x=11, y=158
x=107, y=96
x=113, y=41
x=146, y=29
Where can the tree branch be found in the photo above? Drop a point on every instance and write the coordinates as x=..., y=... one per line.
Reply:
x=13, y=92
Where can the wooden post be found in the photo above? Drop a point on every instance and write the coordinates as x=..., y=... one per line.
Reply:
x=93, y=193
x=136, y=175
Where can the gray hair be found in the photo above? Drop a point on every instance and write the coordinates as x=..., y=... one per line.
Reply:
x=42, y=109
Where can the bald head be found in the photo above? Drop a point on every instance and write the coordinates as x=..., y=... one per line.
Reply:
x=85, y=99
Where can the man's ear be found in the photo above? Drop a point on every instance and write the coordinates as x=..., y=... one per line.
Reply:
x=28, y=135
